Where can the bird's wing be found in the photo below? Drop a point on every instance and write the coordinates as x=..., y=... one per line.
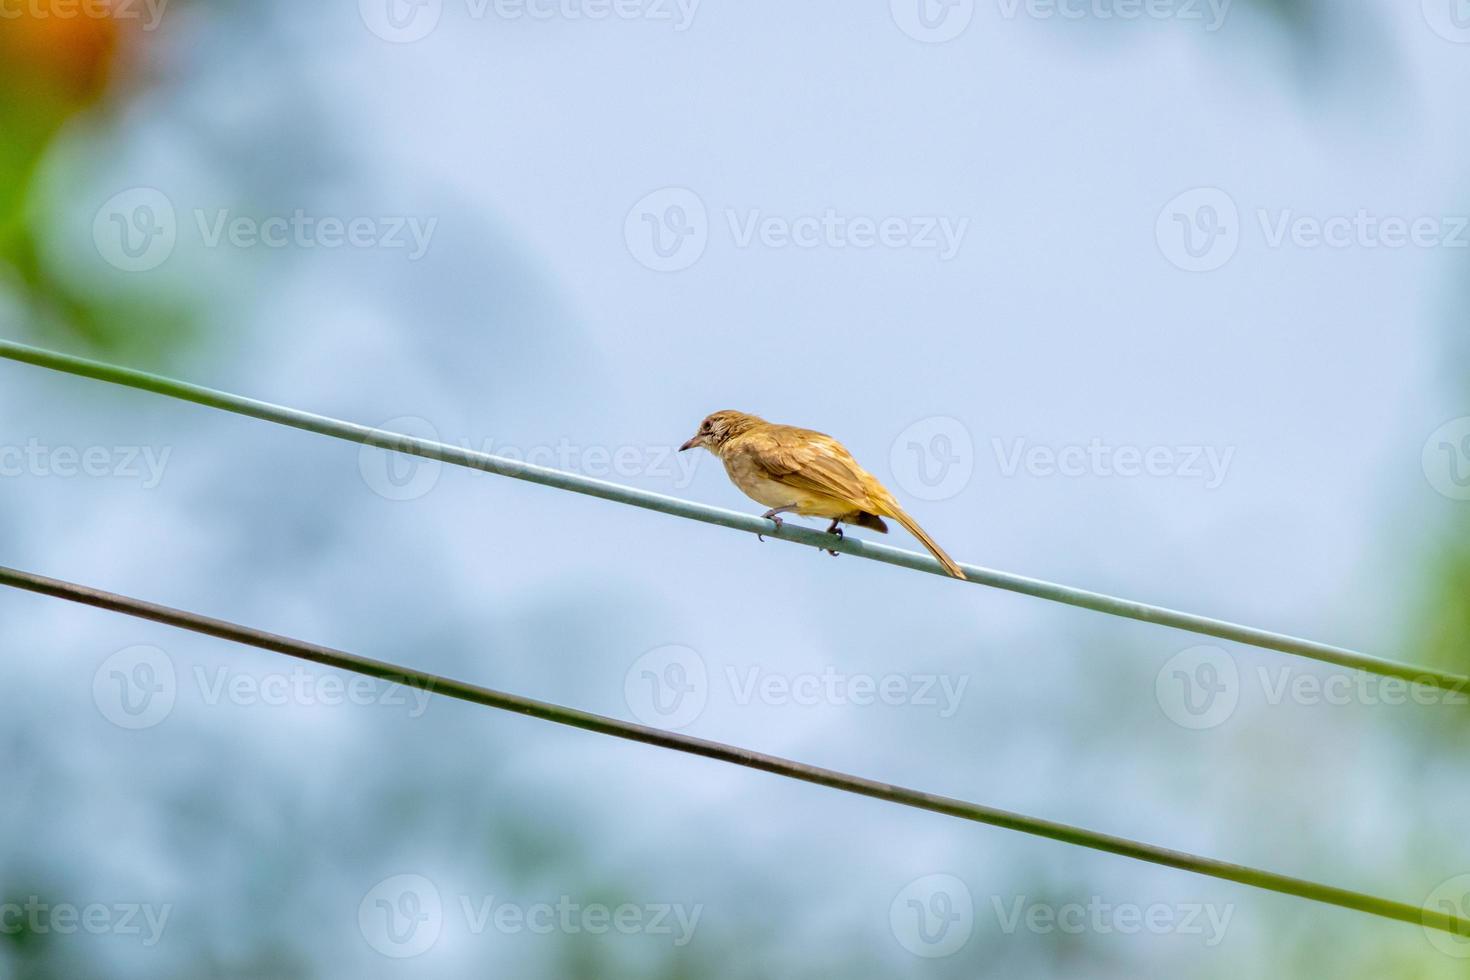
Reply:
x=812, y=462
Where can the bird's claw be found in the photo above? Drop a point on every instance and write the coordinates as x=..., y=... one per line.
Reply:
x=834, y=529
x=774, y=519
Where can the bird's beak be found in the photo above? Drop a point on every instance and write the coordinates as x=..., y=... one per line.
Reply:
x=690, y=444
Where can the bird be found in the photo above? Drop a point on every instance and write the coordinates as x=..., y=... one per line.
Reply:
x=808, y=473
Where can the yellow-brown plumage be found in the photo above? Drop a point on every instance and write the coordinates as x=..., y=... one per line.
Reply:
x=793, y=470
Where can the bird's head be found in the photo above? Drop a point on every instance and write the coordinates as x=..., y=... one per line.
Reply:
x=719, y=428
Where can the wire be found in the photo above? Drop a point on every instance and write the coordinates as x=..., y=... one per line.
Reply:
x=602, y=724
x=516, y=469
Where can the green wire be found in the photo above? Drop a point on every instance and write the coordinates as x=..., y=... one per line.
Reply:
x=749, y=523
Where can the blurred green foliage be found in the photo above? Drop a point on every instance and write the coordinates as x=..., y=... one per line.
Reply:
x=63, y=68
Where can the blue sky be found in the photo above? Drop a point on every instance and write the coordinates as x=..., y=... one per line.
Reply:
x=1286, y=398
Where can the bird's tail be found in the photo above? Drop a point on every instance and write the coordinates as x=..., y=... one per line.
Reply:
x=911, y=526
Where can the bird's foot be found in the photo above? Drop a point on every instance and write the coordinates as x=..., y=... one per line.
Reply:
x=774, y=516
x=835, y=529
